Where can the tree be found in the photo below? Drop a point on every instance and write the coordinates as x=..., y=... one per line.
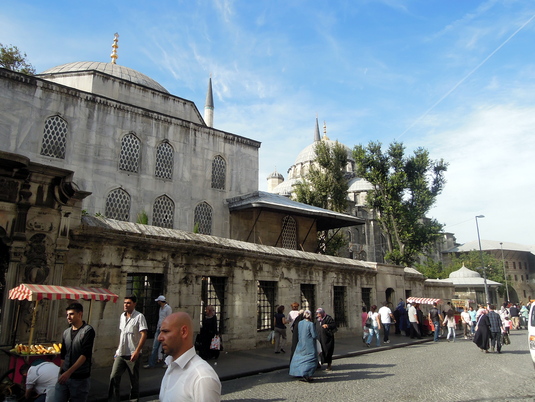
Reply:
x=404, y=190
x=325, y=186
x=13, y=59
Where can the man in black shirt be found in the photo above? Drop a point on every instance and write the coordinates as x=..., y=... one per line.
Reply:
x=76, y=352
x=435, y=317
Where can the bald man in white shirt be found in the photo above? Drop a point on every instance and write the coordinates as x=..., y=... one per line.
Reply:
x=188, y=377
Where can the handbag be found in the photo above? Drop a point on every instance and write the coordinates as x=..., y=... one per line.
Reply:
x=271, y=336
x=216, y=343
x=369, y=322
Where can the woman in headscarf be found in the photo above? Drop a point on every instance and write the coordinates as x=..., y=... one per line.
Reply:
x=482, y=335
x=305, y=359
x=207, y=333
x=325, y=327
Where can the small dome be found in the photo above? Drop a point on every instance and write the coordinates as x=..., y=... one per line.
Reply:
x=286, y=187
x=115, y=70
x=275, y=175
x=309, y=153
x=358, y=184
x=464, y=272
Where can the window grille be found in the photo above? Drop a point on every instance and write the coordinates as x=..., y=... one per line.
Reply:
x=118, y=205
x=146, y=287
x=213, y=294
x=308, y=300
x=164, y=161
x=339, y=302
x=367, y=298
x=219, y=173
x=202, y=219
x=289, y=233
x=54, y=137
x=163, y=213
x=130, y=150
x=266, y=296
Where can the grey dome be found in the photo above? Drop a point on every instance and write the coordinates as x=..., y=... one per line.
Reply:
x=309, y=153
x=464, y=272
x=115, y=70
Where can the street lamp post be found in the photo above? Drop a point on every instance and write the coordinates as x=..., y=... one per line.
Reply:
x=482, y=262
x=505, y=274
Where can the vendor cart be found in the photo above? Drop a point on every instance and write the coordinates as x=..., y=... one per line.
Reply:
x=36, y=293
x=427, y=326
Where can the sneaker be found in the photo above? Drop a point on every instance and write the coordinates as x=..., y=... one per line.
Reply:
x=387, y=341
x=148, y=366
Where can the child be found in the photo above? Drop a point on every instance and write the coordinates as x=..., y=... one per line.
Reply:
x=507, y=326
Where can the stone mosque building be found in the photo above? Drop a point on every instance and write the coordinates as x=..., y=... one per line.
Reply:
x=108, y=180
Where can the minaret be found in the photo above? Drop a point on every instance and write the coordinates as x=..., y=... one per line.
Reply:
x=114, y=47
x=209, y=106
x=317, y=131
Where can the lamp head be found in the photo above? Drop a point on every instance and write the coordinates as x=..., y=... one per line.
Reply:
x=480, y=216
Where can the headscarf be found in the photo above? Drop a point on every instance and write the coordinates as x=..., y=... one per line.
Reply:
x=307, y=315
x=321, y=312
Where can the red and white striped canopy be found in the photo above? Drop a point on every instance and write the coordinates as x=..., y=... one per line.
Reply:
x=38, y=292
x=423, y=300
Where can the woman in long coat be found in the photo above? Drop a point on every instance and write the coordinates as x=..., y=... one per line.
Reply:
x=305, y=358
x=326, y=327
x=208, y=331
x=482, y=335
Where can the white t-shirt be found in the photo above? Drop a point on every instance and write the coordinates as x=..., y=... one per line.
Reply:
x=42, y=377
x=189, y=378
x=385, y=312
x=374, y=316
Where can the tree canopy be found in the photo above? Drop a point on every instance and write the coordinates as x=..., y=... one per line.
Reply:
x=404, y=190
x=13, y=59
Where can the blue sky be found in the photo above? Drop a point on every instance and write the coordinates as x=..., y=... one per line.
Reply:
x=456, y=77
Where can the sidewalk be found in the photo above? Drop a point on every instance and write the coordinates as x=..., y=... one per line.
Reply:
x=231, y=365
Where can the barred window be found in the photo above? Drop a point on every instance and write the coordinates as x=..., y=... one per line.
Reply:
x=219, y=172
x=163, y=213
x=265, y=305
x=118, y=205
x=289, y=233
x=164, y=161
x=202, y=219
x=146, y=287
x=54, y=137
x=213, y=294
x=367, y=297
x=130, y=151
x=308, y=300
x=339, y=302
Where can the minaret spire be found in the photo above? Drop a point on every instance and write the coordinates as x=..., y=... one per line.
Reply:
x=317, y=131
x=114, y=47
x=209, y=105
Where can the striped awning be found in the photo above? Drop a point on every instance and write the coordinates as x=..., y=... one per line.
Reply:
x=423, y=300
x=33, y=292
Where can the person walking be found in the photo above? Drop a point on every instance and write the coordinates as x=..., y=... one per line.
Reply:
x=467, y=323
x=376, y=326
x=208, y=330
x=414, y=322
x=514, y=311
x=496, y=329
x=435, y=317
x=386, y=318
x=363, y=319
x=325, y=327
x=188, y=377
x=482, y=335
x=163, y=311
x=473, y=318
x=133, y=334
x=305, y=358
x=76, y=352
x=450, y=323
x=279, y=322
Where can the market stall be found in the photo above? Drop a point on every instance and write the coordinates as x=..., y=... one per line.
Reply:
x=36, y=293
x=427, y=326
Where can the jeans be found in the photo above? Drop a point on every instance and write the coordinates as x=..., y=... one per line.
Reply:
x=120, y=365
x=495, y=340
x=280, y=339
x=73, y=390
x=473, y=327
x=436, y=324
x=373, y=330
x=386, y=332
x=155, y=349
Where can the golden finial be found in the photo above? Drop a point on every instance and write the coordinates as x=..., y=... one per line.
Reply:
x=325, y=131
x=114, y=47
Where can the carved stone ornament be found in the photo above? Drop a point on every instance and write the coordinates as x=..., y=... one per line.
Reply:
x=8, y=190
x=36, y=269
x=40, y=225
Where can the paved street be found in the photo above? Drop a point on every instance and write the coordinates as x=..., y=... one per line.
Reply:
x=425, y=372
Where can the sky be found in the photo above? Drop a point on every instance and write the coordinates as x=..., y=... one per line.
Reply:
x=455, y=77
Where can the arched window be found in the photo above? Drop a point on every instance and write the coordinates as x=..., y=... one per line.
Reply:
x=163, y=213
x=54, y=137
x=164, y=161
x=118, y=205
x=289, y=233
x=202, y=218
x=219, y=172
x=130, y=151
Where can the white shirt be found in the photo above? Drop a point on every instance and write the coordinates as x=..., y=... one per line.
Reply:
x=130, y=332
x=42, y=377
x=164, y=312
x=385, y=312
x=412, y=314
x=189, y=378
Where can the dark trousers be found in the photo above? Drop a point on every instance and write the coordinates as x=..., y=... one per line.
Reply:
x=120, y=365
x=386, y=332
x=415, y=330
x=496, y=341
